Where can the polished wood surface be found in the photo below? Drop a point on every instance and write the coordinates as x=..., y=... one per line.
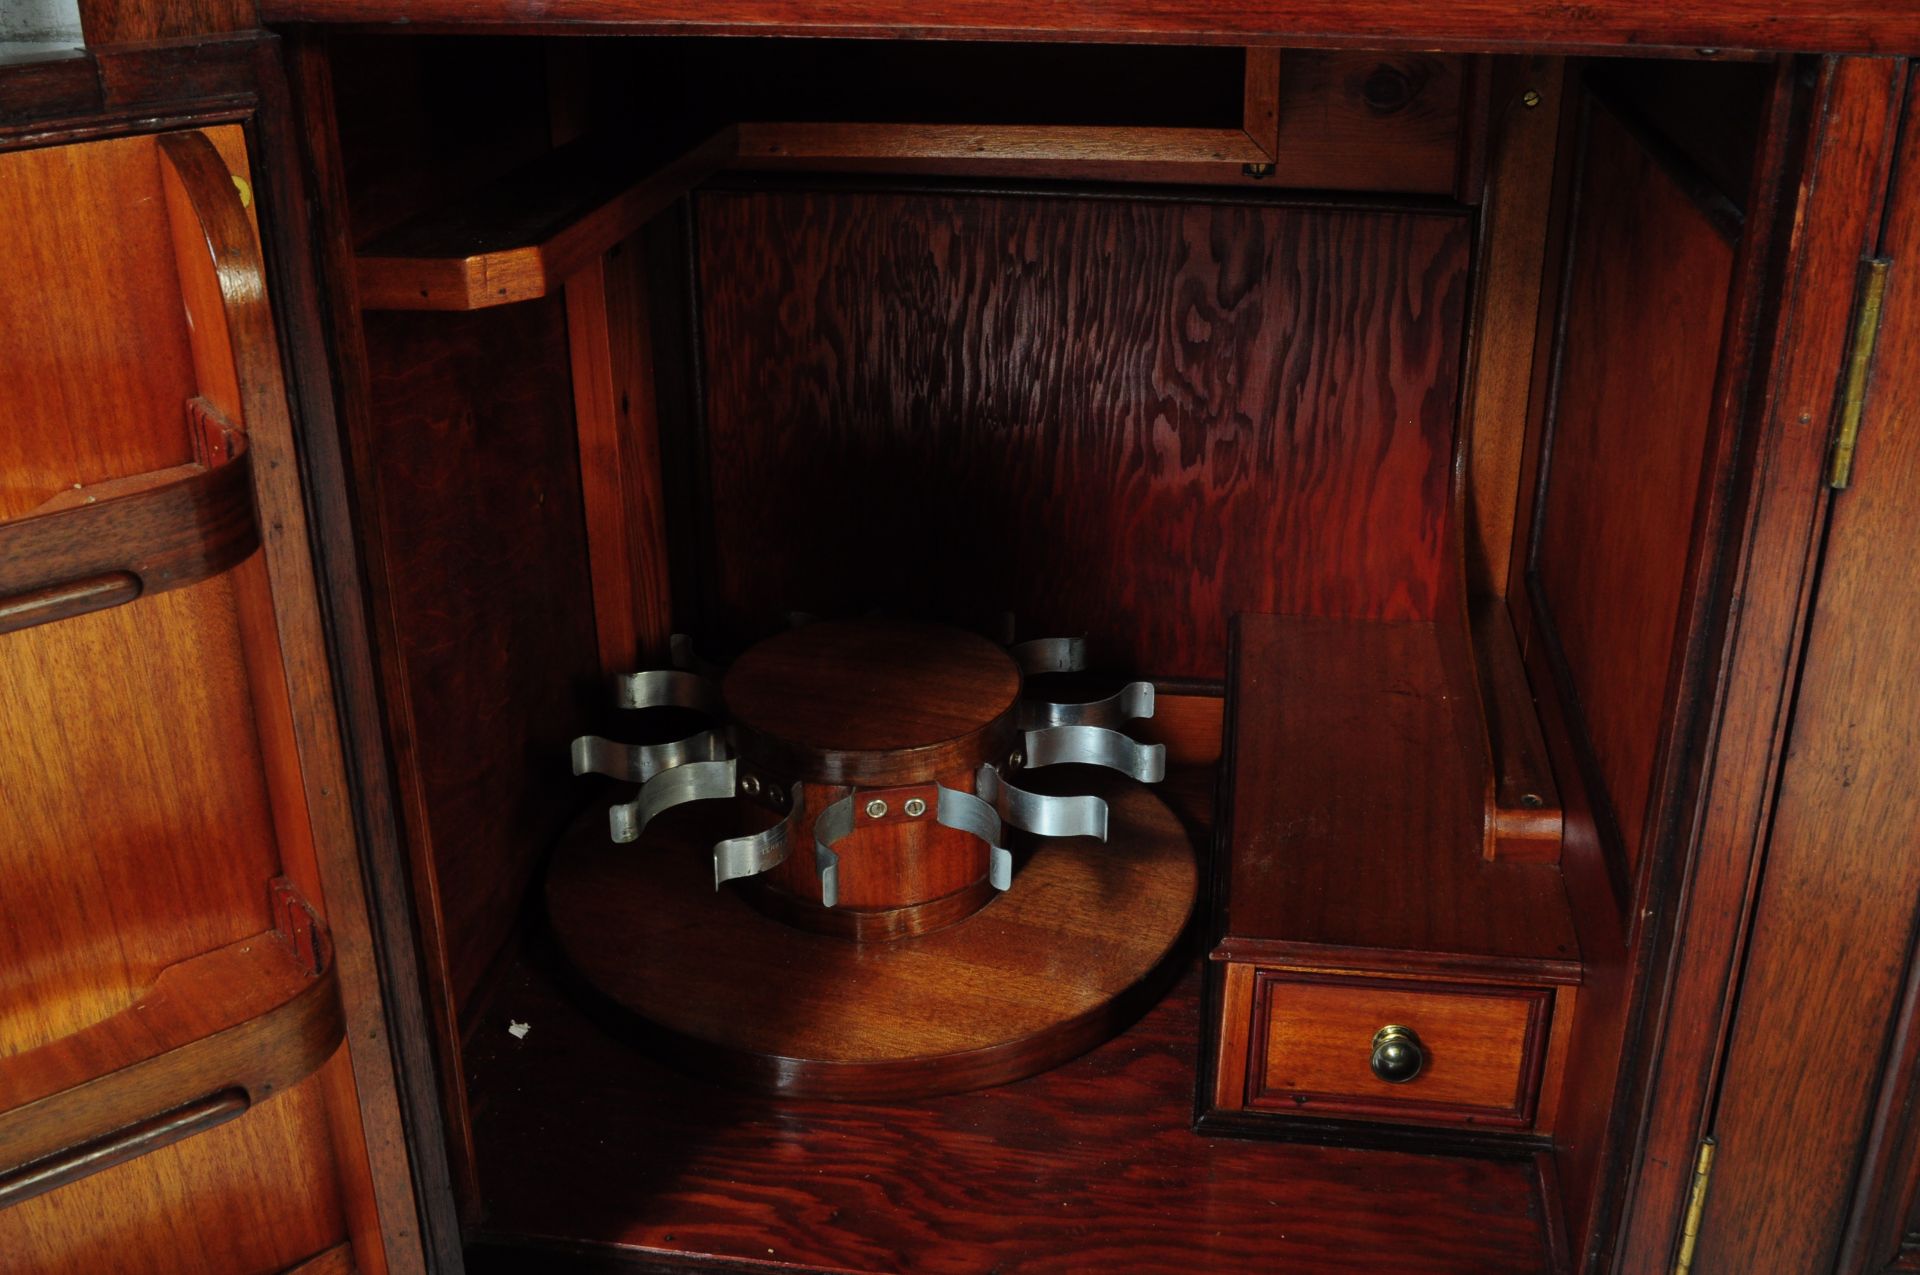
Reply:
x=615, y=408
x=1090, y=1164
x=253, y=1017
x=115, y=384
x=110, y=543
x=1039, y=975
x=1823, y=983
x=1109, y=416
x=527, y=234
x=213, y=214
x=1507, y=306
x=872, y=702
x=1834, y=198
x=491, y=611
x=1648, y=295
x=1699, y=30
x=1313, y=1037
x=1527, y=823
x=1330, y=849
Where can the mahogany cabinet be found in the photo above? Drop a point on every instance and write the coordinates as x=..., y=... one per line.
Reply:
x=1484, y=427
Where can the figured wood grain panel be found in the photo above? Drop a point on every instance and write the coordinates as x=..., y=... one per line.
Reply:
x=493, y=607
x=1124, y=418
x=1646, y=301
x=1834, y=928
x=98, y=370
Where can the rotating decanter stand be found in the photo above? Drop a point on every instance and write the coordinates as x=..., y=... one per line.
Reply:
x=903, y=944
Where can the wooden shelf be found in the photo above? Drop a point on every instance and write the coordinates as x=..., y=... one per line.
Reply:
x=100, y=546
x=1092, y=1164
x=1359, y=807
x=522, y=236
x=213, y=1035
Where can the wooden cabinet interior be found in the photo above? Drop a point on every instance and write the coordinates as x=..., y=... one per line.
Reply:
x=892, y=376
x=170, y=755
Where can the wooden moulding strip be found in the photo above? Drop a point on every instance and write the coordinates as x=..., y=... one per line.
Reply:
x=99, y=546
x=511, y=243
x=1003, y=148
x=213, y=1035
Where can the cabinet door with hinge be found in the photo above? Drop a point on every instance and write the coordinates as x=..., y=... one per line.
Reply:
x=183, y=947
x=1811, y=1168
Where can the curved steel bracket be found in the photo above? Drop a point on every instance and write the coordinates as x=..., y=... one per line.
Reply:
x=637, y=763
x=1050, y=655
x=967, y=813
x=1040, y=813
x=1130, y=703
x=668, y=688
x=1097, y=746
x=738, y=857
x=695, y=781
x=833, y=824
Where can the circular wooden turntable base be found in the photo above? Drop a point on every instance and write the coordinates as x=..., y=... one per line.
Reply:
x=1083, y=942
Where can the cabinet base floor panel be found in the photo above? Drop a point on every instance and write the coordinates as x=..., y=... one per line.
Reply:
x=594, y=1156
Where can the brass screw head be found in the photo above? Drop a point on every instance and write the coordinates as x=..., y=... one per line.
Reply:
x=1530, y=98
x=914, y=807
x=876, y=809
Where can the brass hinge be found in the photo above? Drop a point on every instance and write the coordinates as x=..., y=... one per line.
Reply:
x=1696, y=1204
x=1866, y=335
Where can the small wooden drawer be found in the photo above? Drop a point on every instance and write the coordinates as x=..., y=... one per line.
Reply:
x=1301, y=1043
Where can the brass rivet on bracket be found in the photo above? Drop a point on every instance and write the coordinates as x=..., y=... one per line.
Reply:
x=876, y=809
x=914, y=807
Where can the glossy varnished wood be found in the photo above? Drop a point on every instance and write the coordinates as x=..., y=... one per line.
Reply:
x=492, y=614
x=254, y=1017
x=1484, y=24
x=872, y=702
x=113, y=542
x=1331, y=848
x=1110, y=416
x=1834, y=197
x=1823, y=982
x=1090, y=1165
x=1648, y=294
x=108, y=370
x=1076, y=948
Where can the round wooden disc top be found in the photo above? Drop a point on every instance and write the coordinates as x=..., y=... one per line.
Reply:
x=874, y=701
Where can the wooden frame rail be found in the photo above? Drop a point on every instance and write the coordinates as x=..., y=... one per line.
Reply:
x=1008, y=148
x=213, y=1035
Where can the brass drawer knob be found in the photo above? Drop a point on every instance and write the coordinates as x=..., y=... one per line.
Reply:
x=1397, y=1055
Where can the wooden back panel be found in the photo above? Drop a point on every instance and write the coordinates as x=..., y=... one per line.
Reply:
x=1130, y=418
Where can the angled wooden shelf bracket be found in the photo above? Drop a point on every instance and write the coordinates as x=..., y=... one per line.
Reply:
x=524, y=235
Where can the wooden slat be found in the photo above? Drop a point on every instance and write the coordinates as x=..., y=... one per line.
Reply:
x=251, y=1016
x=528, y=233
x=146, y=533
